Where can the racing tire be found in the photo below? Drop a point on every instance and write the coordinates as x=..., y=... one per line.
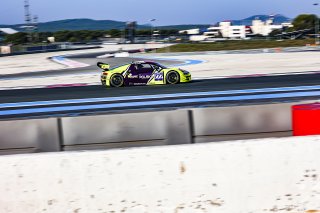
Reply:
x=116, y=80
x=172, y=77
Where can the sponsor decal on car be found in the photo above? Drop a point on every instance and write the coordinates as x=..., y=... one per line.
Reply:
x=132, y=76
x=144, y=76
x=158, y=76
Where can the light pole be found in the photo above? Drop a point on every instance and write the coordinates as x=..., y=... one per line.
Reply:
x=316, y=27
x=123, y=34
x=151, y=28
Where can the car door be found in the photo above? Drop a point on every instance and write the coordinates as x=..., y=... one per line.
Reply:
x=145, y=71
x=132, y=75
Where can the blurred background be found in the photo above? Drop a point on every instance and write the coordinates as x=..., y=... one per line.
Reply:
x=24, y=25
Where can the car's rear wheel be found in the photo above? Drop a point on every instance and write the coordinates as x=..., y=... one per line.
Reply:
x=172, y=77
x=116, y=80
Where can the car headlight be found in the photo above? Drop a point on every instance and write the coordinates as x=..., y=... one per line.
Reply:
x=185, y=72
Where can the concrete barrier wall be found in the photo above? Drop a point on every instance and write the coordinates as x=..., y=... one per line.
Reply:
x=148, y=128
x=270, y=175
x=38, y=135
x=242, y=122
x=123, y=130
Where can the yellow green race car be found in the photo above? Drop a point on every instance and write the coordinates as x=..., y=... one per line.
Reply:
x=141, y=73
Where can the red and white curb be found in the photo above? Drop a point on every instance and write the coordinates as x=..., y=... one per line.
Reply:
x=67, y=85
x=50, y=86
x=68, y=62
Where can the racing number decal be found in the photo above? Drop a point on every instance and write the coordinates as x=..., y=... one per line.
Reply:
x=105, y=66
x=158, y=76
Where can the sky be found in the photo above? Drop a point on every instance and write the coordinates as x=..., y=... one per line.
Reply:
x=166, y=12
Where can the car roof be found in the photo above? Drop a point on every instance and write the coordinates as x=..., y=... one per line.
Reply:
x=144, y=62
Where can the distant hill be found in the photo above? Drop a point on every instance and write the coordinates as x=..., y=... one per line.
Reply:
x=75, y=24
x=277, y=19
x=80, y=24
x=184, y=26
x=90, y=24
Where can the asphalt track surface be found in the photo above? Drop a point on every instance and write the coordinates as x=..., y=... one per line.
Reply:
x=208, y=85
x=43, y=94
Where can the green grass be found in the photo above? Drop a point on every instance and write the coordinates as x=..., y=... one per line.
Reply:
x=236, y=45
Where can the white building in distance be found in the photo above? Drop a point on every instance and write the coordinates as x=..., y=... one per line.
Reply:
x=265, y=28
x=225, y=29
x=8, y=31
x=190, y=32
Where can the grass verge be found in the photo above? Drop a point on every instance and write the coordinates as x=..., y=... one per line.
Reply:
x=236, y=45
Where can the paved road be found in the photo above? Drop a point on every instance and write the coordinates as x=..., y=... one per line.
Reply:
x=214, y=97
x=195, y=86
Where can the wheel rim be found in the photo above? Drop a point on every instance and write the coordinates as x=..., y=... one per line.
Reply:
x=117, y=80
x=173, y=78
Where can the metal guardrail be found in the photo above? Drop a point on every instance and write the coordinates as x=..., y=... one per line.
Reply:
x=145, y=128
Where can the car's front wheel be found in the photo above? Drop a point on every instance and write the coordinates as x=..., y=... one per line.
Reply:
x=116, y=80
x=172, y=77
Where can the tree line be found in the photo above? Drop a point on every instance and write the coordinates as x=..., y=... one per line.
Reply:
x=79, y=36
x=301, y=22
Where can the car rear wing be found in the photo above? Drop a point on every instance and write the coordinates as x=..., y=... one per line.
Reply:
x=103, y=66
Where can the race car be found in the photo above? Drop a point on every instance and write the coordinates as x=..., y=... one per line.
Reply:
x=141, y=73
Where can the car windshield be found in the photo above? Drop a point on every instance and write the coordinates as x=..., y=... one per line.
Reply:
x=160, y=65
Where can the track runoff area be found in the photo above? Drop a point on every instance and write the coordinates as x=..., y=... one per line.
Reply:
x=95, y=99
